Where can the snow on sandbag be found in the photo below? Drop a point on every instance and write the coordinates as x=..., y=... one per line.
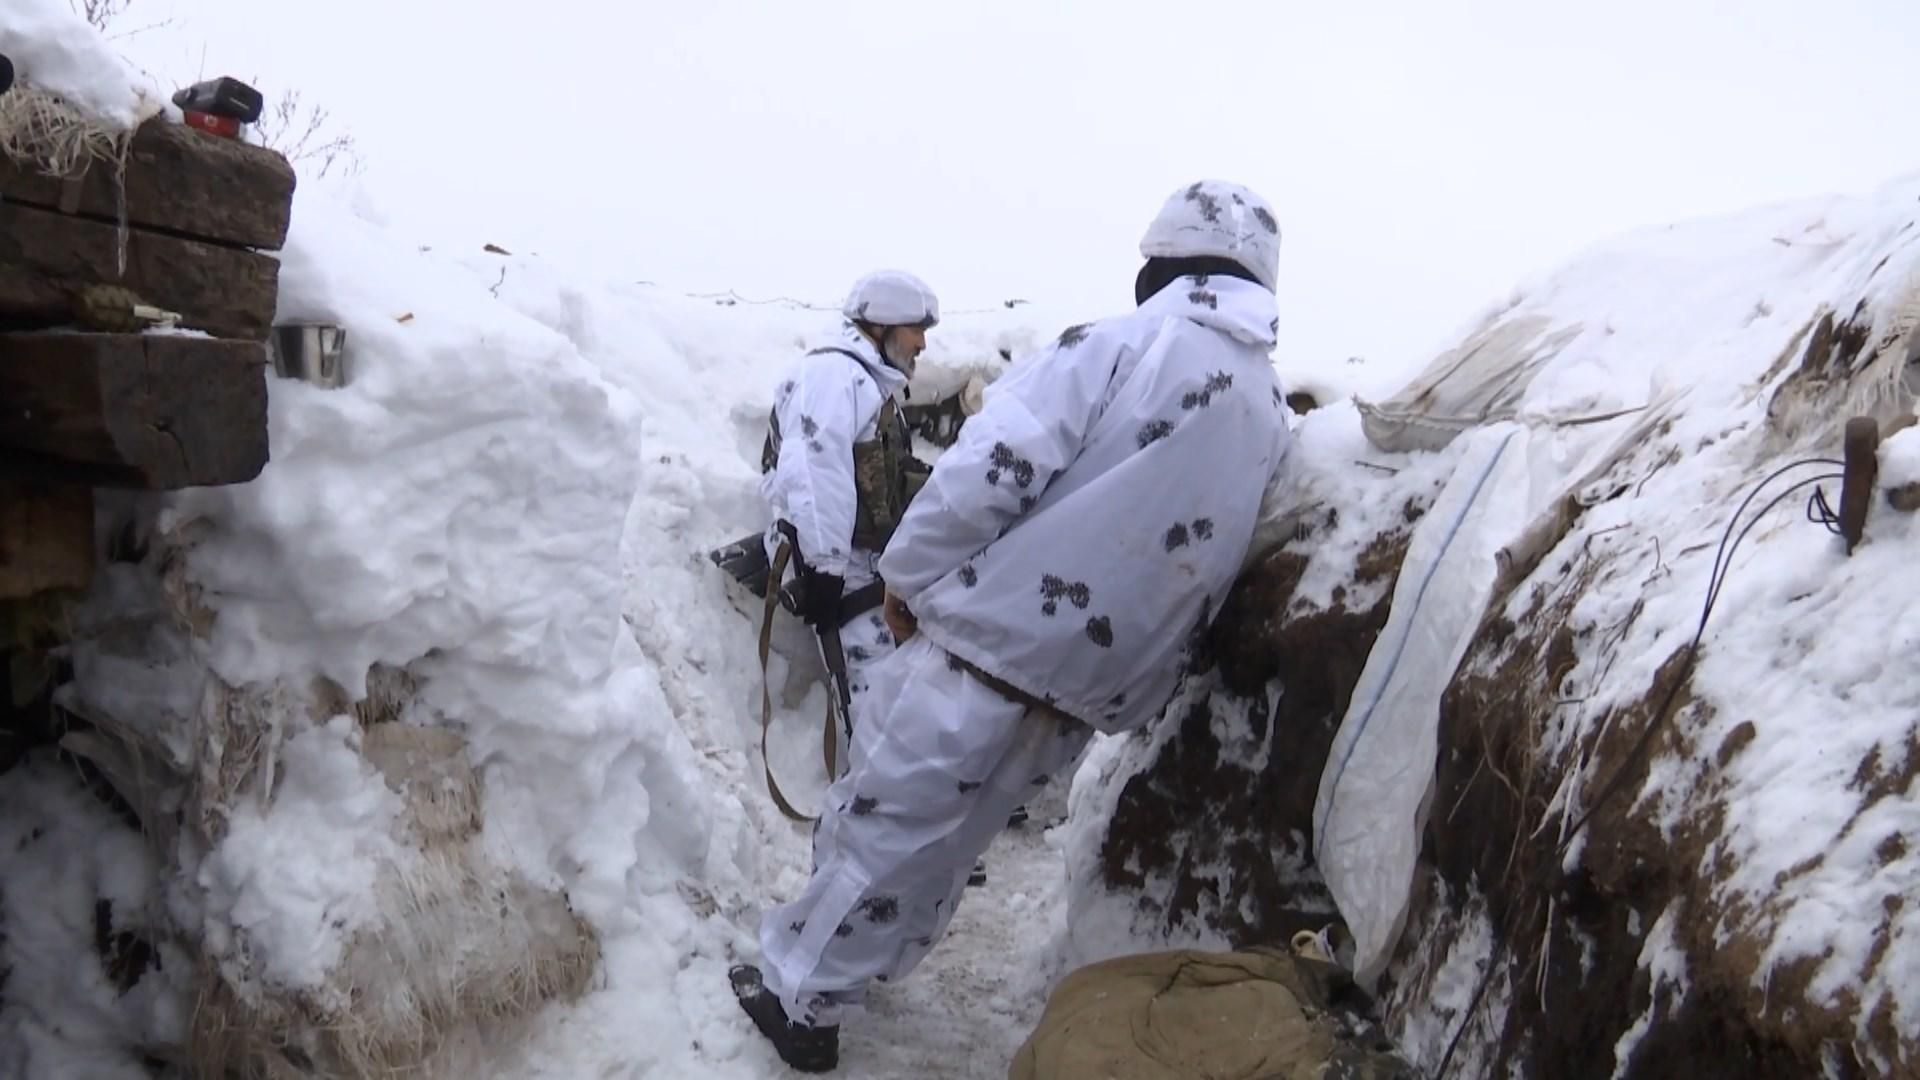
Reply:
x=441, y=933
x=1231, y=1016
x=348, y=915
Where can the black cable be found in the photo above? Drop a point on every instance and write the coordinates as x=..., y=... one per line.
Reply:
x=1686, y=666
x=1820, y=512
x=1722, y=555
x=1722, y=564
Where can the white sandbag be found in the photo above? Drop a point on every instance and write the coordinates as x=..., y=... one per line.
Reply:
x=1510, y=501
x=1373, y=798
x=1480, y=381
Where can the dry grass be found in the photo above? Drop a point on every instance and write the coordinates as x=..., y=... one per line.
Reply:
x=44, y=132
x=461, y=942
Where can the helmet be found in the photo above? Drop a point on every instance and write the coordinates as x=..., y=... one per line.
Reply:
x=892, y=298
x=1214, y=217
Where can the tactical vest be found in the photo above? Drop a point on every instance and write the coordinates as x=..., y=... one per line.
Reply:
x=886, y=475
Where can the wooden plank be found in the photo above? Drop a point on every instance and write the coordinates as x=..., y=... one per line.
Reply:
x=126, y=410
x=45, y=256
x=46, y=538
x=178, y=180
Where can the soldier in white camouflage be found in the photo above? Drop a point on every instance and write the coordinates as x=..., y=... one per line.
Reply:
x=1083, y=527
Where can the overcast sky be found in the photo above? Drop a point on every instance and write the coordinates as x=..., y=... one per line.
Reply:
x=1422, y=157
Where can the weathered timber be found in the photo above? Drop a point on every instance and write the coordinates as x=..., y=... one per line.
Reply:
x=154, y=412
x=46, y=538
x=46, y=256
x=177, y=180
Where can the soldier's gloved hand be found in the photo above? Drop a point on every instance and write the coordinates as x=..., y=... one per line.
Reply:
x=820, y=599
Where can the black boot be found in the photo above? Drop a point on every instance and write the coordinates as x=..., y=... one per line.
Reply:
x=1017, y=818
x=979, y=875
x=805, y=1047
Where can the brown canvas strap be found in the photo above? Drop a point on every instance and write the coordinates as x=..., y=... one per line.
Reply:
x=829, y=750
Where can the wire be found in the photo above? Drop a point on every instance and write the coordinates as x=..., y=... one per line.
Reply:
x=1693, y=648
x=1723, y=555
x=1820, y=512
x=731, y=298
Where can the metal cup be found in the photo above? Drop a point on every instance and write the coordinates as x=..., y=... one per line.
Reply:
x=311, y=352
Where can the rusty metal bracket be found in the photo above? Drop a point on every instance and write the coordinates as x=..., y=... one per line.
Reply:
x=1861, y=470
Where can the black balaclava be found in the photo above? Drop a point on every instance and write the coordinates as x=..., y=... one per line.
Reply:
x=1158, y=273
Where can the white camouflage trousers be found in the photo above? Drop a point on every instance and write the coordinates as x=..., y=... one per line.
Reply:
x=864, y=641
x=938, y=762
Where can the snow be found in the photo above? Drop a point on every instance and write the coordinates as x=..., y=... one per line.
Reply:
x=1349, y=493
x=65, y=862
x=1666, y=966
x=1104, y=923
x=1427, y=1011
x=1900, y=459
x=53, y=49
x=297, y=880
x=1805, y=847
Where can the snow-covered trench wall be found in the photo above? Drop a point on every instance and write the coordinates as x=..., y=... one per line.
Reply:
x=442, y=722
x=1743, y=904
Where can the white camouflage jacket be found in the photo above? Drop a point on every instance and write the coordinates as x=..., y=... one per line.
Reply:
x=1089, y=520
x=825, y=403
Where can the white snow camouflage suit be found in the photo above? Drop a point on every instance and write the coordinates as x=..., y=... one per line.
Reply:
x=824, y=404
x=1071, y=543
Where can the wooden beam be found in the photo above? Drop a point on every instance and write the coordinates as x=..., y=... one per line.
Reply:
x=46, y=538
x=126, y=410
x=45, y=256
x=178, y=180
x=1862, y=469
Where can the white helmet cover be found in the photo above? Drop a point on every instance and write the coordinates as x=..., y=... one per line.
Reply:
x=892, y=298
x=1217, y=218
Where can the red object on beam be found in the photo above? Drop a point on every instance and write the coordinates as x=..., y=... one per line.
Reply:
x=223, y=126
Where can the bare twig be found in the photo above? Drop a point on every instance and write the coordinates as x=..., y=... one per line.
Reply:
x=1546, y=953
x=1381, y=468
x=1587, y=547
x=99, y=13
x=495, y=290
x=1660, y=568
x=303, y=135
x=1467, y=787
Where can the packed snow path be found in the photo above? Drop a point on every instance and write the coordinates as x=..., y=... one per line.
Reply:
x=966, y=1009
x=964, y=1012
